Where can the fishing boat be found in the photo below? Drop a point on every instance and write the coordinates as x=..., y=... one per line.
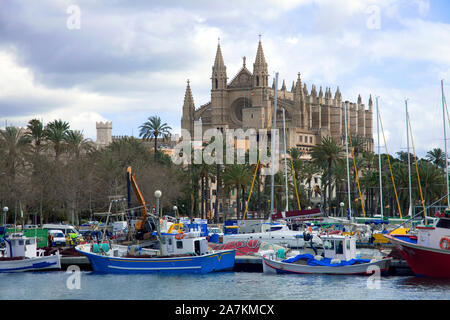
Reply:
x=339, y=258
x=179, y=253
x=19, y=253
x=428, y=253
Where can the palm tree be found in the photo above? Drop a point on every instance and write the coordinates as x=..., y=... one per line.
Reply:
x=36, y=133
x=437, y=157
x=237, y=176
x=55, y=132
x=154, y=129
x=325, y=155
x=76, y=143
x=13, y=142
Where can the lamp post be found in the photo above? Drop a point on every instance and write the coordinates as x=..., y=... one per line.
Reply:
x=5, y=211
x=158, y=195
x=342, y=207
x=175, y=210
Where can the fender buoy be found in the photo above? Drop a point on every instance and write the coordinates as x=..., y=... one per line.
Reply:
x=180, y=236
x=445, y=243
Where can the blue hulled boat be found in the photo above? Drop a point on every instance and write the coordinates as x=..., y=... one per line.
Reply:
x=180, y=253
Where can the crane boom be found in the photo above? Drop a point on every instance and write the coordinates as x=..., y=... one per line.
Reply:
x=132, y=180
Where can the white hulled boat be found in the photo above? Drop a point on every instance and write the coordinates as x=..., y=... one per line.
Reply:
x=19, y=253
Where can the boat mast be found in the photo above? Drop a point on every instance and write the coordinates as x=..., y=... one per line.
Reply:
x=348, y=168
x=379, y=161
x=445, y=142
x=285, y=165
x=274, y=125
x=409, y=160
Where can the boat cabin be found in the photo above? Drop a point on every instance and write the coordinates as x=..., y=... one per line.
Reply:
x=17, y=245
x=189, y=243
x=431, y=235
x=339, y=247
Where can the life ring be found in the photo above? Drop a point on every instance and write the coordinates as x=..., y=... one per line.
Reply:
x=180, y=236
x=445, y=243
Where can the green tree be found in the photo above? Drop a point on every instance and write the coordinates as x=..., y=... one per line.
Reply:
x=326, y=155
x=55, y=133
x=153, y=129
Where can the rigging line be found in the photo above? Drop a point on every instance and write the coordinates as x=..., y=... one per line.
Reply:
x=295, y=181
x=356, y=170
x=268, y=126
x=417, y=171
x=390, y=167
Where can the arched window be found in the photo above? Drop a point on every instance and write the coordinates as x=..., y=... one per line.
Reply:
x=257, y=81
x=217, y=83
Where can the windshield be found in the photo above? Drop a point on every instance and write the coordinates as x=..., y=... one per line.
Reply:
x=57, y=234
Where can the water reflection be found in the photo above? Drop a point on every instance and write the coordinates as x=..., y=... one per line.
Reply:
x=426, y=283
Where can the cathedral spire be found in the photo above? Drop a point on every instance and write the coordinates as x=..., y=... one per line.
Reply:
x=260, y=73
x=320, y=92
x=218, y=62
x=283, y=86
x=293, y=86
x=370, y=102
x=313, y=91
x=338, y=95
x=359, y=99
x=188, y=98
x=219, y=71
x=298, y=84
x=187, y=120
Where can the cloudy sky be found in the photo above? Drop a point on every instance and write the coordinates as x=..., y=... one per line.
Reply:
x=85, y=61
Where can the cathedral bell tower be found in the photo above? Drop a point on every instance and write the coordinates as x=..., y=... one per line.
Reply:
x=219, y=97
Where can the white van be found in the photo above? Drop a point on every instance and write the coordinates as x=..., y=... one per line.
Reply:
x=58, y=237
x=65, y=228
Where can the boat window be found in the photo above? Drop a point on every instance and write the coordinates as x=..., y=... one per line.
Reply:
x=20, y=242
x=348, y=245
x=339, y=247
x=329, y=245
x=163, y=240
x=170, y=241
x=27, y=241
x=179, y=244
x=197, y=247
x=275, y=228
x=443, y=223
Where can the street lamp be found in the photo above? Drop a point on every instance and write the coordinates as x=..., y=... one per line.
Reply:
x=342, y=208
x=175, y=210
x=158, y=195
x=5, y=211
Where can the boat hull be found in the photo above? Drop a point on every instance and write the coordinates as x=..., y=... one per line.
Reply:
x=31, y=264
x=271, y=266
x=216, y=261
x=428, y=262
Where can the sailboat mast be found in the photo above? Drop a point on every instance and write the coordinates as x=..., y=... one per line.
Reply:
x=409, y=160
x=379, y=161
x=285, y=165
x=274, y=126
x=445, y=141
x=348, y=167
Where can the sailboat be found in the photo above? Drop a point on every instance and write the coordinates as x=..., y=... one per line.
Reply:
x=428, y=254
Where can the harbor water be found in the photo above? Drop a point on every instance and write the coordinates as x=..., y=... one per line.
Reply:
x=59, y=285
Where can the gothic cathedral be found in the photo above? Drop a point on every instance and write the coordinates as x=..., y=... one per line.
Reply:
x=247, y=102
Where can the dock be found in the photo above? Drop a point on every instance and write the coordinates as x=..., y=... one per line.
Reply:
x=81, y=261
